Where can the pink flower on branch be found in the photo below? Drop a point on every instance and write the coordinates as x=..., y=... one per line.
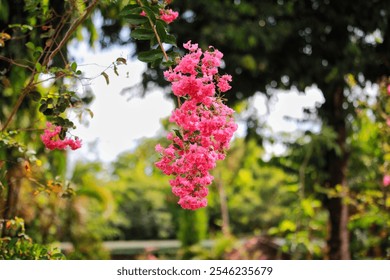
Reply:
x=52, y=141
x=386, y=180
x=168, y=15
x=223, y=83
x=206, y=125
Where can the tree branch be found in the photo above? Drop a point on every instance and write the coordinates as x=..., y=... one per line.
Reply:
x=11, y=61
x=71, y=30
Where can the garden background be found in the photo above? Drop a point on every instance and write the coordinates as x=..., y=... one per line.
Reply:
x=311, y=185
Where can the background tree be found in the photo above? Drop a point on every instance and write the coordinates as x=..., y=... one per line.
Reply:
x=271, y=45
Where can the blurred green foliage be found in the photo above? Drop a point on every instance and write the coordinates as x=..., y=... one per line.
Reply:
x=17, y=245
x=267, y=45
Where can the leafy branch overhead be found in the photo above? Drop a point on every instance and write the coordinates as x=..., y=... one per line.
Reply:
x=150, y=21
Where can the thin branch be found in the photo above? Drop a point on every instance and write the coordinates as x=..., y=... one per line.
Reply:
x=54, y=38
x=11, y=61
x=155, y=33
x=24, y=93
x=160, y=44
x=71, y=30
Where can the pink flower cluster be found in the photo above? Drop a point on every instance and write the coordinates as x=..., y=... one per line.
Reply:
x=51, y=139
x=386, y=180
x=168, y=15
x=206, y=125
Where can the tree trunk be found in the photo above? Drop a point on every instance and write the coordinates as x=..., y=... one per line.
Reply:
x=336, y=166
x=13, y=178
x=224, y=207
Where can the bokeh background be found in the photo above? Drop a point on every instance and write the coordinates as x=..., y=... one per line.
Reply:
x=303, y=178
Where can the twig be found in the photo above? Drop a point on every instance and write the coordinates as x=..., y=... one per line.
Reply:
x=72, y=28
x=11, y=61
x=24, y=93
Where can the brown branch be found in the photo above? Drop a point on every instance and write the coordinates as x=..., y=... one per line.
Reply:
x=71, y=30
x=11, y=61
x=24, y=93
x=54, y=38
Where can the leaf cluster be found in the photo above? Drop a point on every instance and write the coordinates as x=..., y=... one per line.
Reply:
x=150, y=28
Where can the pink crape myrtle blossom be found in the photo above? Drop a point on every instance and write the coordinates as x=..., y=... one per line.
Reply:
x=388, y=89
x=206, y=125
x=52, y=141
x=168, y=15
x=386, y=180
x=223, y=83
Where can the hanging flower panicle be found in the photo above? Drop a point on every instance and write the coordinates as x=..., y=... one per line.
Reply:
x=206, y=125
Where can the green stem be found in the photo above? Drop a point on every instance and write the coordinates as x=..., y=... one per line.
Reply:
x=155, y=33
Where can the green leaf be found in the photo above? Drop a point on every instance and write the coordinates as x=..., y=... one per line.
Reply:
x=12, y=243
x=30, y=45
x=162, y=33
x=136, y=19
x=26, y=27
x=35, y=95
x=176, y=146
x=106, y=77
x=170, y=39
x=178, y=134
x=142, y=34
x=130, y=9
x=43, y=107
x=168, y=63
x=14, y=25
x=156, y=9
x=59, y=121
x=173, y=55
x=48, y=112
x=145, y=2
x=73, y=66
x=62, y=107
x=38, y=66
x=150, y=56
x=287, y=225
x=156, y=63
x=58, y=256
x=307, y=207
x=150, y=14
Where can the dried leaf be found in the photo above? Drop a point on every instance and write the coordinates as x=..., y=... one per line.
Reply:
x=106, y=77
x=120, y=60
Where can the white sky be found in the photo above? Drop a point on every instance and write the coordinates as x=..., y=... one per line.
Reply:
x=118, y=122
